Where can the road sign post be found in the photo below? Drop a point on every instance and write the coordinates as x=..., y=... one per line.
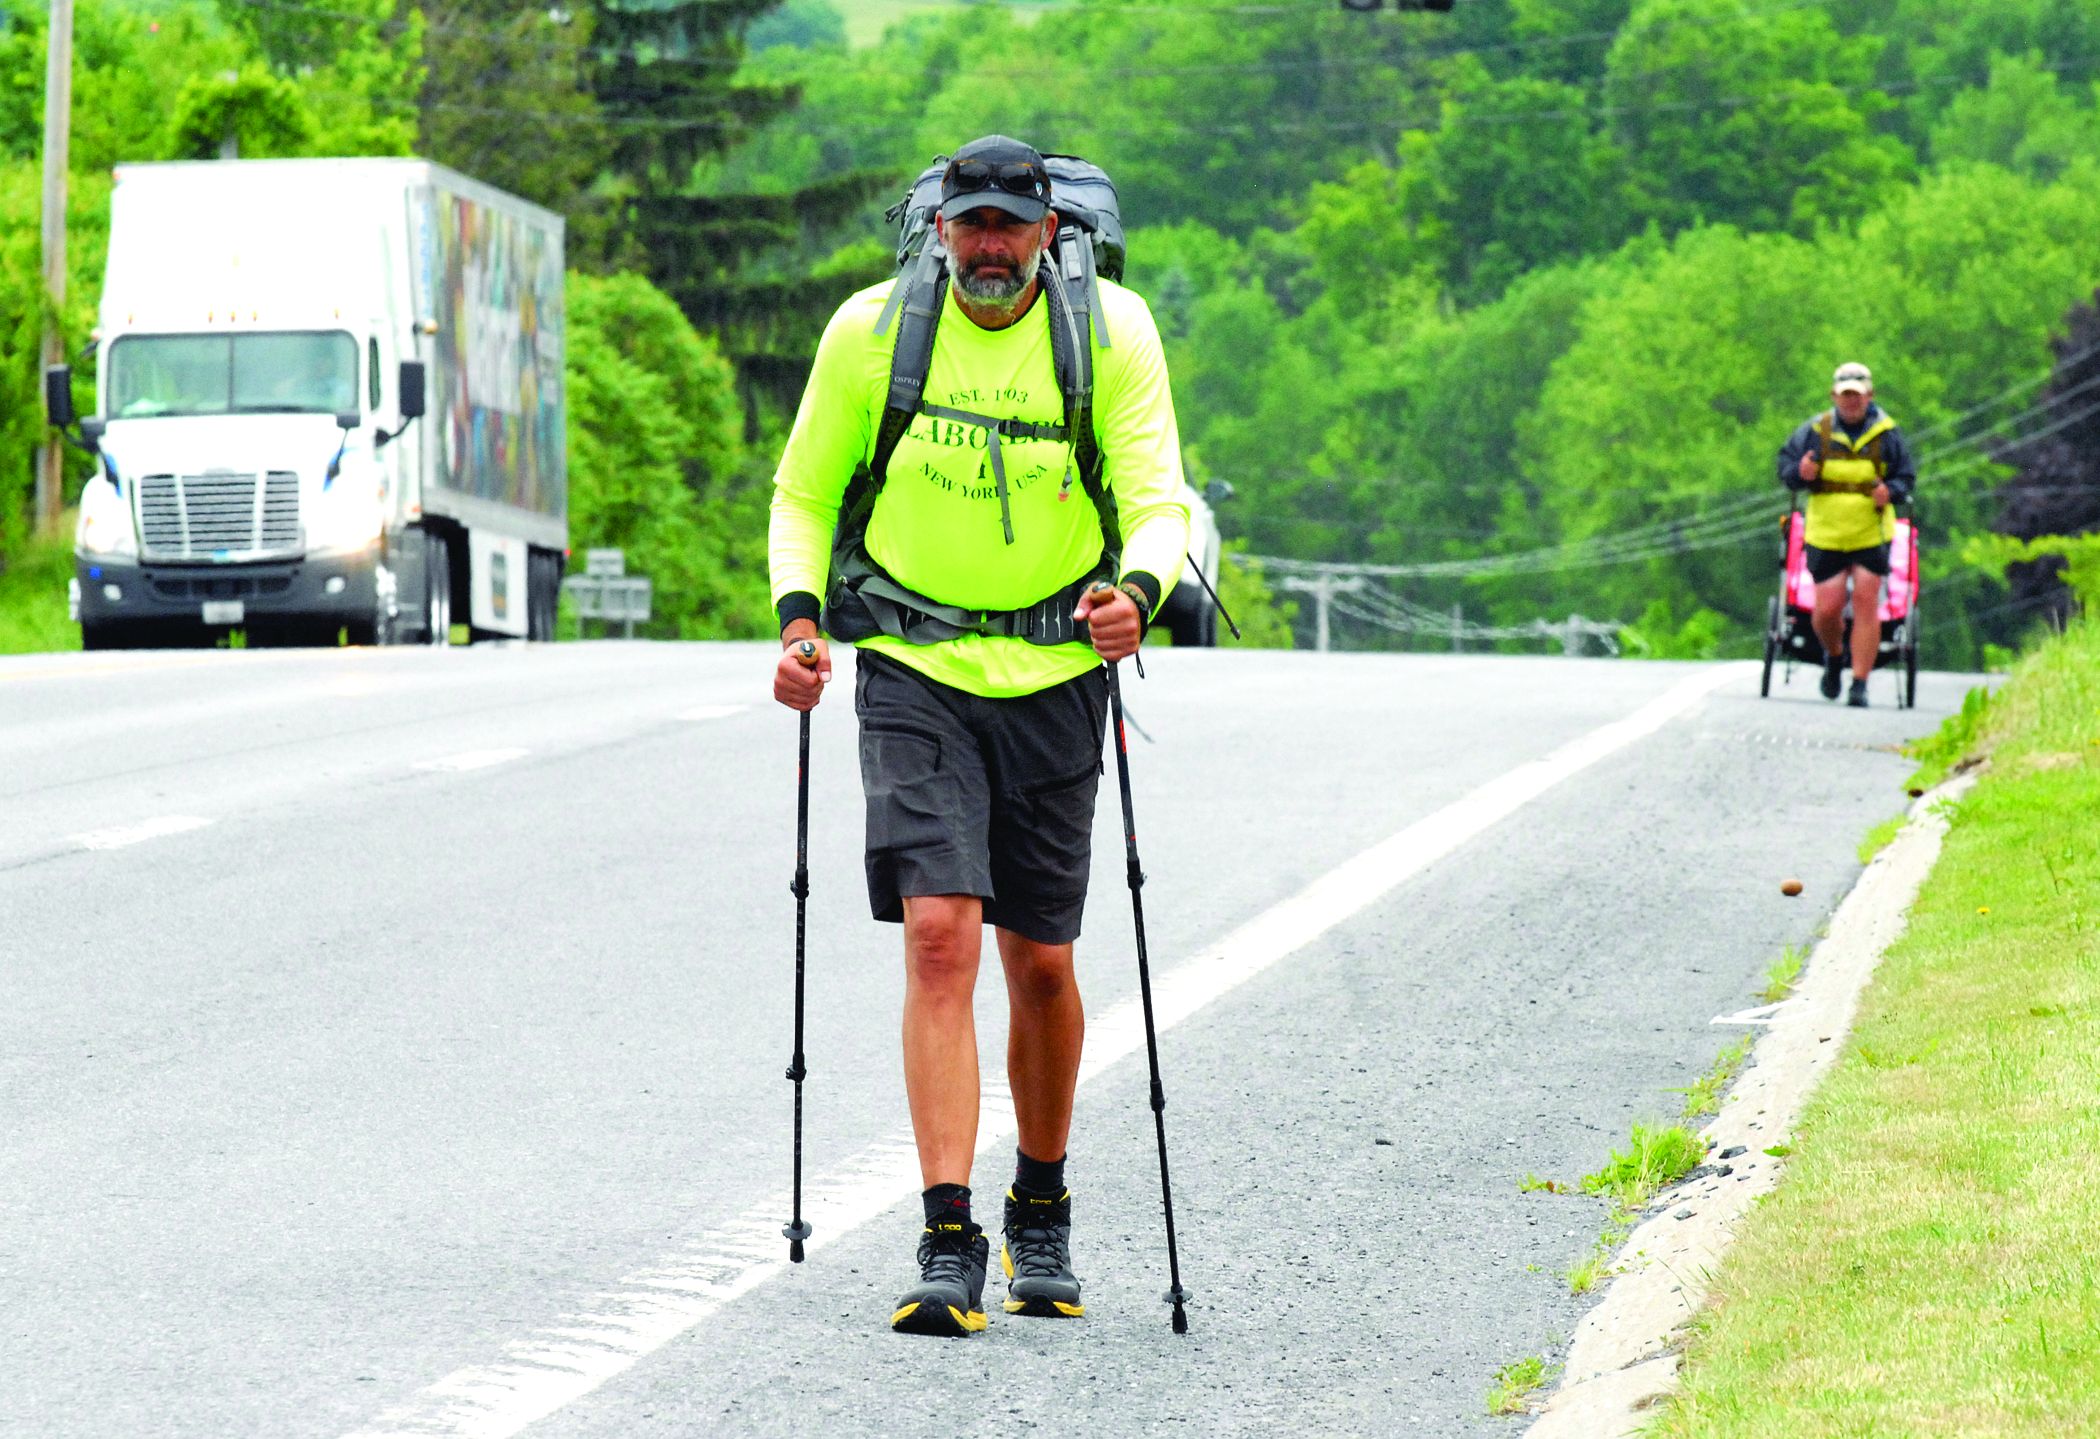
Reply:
x=606, y=592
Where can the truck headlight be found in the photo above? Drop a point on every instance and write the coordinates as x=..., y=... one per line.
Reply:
x=345, y=517
x=105, y=522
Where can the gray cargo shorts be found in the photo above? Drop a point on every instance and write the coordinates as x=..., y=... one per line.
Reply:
x=986, y=797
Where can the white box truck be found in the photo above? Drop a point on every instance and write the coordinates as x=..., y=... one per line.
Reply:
x=329, y=398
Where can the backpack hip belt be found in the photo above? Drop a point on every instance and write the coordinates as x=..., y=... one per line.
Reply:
x=865, y=602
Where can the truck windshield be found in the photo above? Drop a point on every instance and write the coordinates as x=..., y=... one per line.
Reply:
x=257, y=374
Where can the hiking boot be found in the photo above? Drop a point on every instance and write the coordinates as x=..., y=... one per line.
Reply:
x=1858, y=698
x=1037, y=1257
x=1833, y=676
x=949, y=1297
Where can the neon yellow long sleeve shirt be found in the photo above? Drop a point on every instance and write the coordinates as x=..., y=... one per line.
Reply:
x=936, y=525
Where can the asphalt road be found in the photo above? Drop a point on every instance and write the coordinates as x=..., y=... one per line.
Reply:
x=371, y=1013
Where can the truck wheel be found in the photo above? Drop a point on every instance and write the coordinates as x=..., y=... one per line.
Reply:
x=437, y=590
x=544, y=597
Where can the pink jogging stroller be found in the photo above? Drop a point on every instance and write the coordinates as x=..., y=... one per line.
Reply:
x=1789, y=635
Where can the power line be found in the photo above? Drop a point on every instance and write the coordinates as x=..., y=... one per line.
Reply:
x=2063, y=363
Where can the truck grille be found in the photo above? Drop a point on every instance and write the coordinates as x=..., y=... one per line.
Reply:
x=202, y=517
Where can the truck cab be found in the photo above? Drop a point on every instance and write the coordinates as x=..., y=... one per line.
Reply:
x=271, y=334
x=240, y=481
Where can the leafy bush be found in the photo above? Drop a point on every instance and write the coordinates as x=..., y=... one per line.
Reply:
x=657, y=465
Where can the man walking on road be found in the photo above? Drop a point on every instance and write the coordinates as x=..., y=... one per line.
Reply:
x=969, y=588
x=1855, y=465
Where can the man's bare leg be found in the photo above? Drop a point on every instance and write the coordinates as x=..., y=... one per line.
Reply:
x=1828, y=617
x=943, y=937
x=1045, y=1030
x=1866, y=621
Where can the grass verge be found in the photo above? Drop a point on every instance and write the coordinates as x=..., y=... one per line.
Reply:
x=1931, y=1264
x=1877, y=838
x=1515, y=1383
x=33, y=599
x=1659, y=1156
x=1595, y=1266
x=1784, y=974
x=1703, y=1095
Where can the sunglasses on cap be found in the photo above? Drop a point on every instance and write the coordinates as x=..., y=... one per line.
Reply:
x=1015, y=177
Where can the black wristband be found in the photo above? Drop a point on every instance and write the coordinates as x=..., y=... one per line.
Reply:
x=798, y=605
x=1148, y=585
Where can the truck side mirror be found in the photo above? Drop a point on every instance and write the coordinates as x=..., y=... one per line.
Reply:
x=58, y=396
x=411, y=390
x=347, y=420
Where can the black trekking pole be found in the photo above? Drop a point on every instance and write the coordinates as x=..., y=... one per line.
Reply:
x=1176, y=1295
x=798, y=1228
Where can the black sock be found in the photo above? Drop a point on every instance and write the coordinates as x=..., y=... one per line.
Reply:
x=949, y=1203
x=1042, y=1177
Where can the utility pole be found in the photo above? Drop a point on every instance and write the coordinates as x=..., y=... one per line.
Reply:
x=58, y=124
x=1323, y=588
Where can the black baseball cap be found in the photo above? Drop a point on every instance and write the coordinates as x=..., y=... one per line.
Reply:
x=996, y=172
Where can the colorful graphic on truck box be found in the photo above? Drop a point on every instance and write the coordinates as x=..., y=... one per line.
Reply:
x=494, y=282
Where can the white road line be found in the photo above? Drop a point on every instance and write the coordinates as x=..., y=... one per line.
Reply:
x=713, y=712
x=129, y=834
x=555, y=1365
x=473, y=759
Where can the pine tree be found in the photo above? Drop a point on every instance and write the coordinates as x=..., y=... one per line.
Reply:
x=605, y=112
x=739, y=265
x=507, y=99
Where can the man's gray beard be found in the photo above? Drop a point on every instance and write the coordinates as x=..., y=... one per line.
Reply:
x=999, y=292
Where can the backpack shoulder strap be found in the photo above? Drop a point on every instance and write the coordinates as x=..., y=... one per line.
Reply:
x=919, y=295
x=925, y=294
x=1071, y=348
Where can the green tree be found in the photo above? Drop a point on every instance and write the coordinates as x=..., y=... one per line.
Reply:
x=127, y=63
x=1762, y=120
x=1516, y=176
x=669, y=83
x=1565, y=40
x=493, y=70
x=1243, y=586
x=2024, y=120
x=249, y=113
x=1933, y=50
x=358, y=65
x=656, y=460
x=22, y=310
x=804, y=24
x=1689, y=371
